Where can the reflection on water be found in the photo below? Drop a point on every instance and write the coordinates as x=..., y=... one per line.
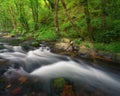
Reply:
x=42, y=73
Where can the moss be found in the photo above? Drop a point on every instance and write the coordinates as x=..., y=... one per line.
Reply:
x=59, y=83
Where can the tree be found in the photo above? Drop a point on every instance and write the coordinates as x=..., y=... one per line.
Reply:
x=34, y=6
x=72, y=22
x=12, y=16
x=5, y=17
x=103, y=14
x=48, y=4
x=22, y=16
x=56, y=16
x=88, y=20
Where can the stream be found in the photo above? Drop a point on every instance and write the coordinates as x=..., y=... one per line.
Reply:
x=40, y=72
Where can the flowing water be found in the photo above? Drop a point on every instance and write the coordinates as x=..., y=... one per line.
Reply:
x=40, y=72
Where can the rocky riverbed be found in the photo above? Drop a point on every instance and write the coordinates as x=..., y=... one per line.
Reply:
x=65, y=46
x=28, y=54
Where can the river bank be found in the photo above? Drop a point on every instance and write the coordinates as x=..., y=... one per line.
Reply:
x=87, y=51
x=65, y=46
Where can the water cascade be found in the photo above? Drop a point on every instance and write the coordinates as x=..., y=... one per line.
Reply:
x=42, y=66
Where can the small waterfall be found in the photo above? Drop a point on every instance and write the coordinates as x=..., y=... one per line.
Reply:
x=42, y=65
x=32, y=59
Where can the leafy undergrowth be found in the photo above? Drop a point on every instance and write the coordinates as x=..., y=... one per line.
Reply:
x=111, y=47
x=108, y=47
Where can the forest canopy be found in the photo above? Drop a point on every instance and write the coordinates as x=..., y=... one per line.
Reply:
x=91, y=20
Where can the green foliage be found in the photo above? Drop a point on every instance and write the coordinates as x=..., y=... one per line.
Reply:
x=34, y=19
x=107, y=36
x=96, y=22
x=22, y=38
x=110, y=36
x=112, y=47
x=68, y=31
x=44, y=13
x=72, y=33
x=81, y=23
x=77, y=41
x=13, y=32
x=65, y=26
x=45, y=33
x=70, y=4
x=87, y=44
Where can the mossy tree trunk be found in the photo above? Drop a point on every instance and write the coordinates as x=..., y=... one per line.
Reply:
x=88, y=20
x=56, y=17
x=103, y=14
x=13, y=17
x=22, y=15
x=51, y=5
x=34, y=6
x=47, y=4
x=70, y=19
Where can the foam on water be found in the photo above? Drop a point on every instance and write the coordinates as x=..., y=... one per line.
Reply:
x=44, y=65
x=32, y=59
x=84, y=73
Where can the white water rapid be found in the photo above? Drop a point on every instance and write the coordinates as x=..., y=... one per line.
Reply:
x=45, y=66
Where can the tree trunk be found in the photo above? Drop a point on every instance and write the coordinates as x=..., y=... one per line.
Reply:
x=88, y=20
x=34, y=7
x=46, y=3
x=72, y=22
x=22, y=15
x=13, y=21
x=103, y=14
x=56, y=16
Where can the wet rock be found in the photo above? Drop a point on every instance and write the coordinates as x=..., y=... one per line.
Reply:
x=110, y=55
x=68, y=91
x=84, y=55
x=8, y=36
x=60, y=85
x=1, y=45
x=117, y=57
x=11, y=41
x=65, y=40
x=27, y=45
x=66, y=46
x=61, y=45
x=57, y=86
